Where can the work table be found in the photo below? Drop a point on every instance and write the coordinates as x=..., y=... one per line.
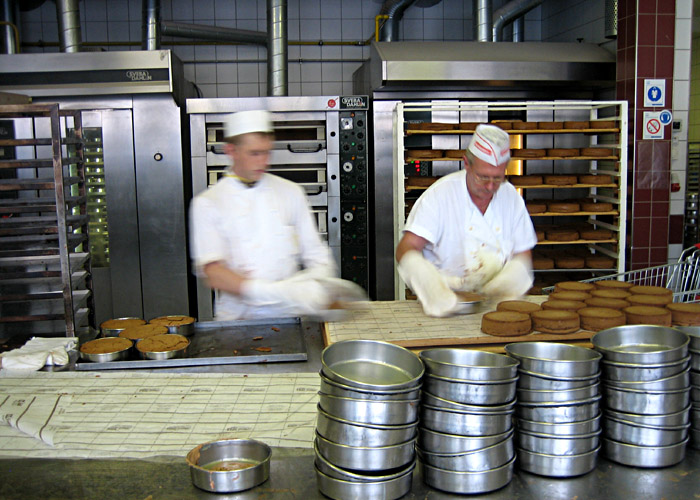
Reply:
x=292, y=472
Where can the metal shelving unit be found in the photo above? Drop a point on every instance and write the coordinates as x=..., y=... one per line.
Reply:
x=45, y=284
x=413, y=173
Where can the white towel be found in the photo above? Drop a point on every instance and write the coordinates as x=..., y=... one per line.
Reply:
x=37, y=352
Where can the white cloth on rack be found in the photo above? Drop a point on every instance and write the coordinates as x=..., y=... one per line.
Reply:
x=38, y=352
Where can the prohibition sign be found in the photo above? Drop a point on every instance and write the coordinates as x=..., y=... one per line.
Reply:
x=653, y=126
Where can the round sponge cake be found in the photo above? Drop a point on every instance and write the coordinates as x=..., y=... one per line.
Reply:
x=607, y=284
x=612, y=293
x=521, y=306
x=555, y=321
x=685, y=314
x=600, y=318
x=618, y=304
x=650, y=290
x=563, y=305
x=569, y=295
x=649, y=300
x=573, y=286
x=647, y=315
x=506, y=323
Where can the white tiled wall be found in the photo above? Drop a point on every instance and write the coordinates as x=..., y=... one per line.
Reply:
x=315, y=68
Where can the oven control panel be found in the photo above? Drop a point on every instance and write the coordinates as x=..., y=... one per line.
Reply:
x=353, y=196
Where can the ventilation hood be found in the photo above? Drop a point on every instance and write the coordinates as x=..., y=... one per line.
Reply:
x=452, y=65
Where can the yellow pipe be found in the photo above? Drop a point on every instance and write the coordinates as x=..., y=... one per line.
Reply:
x=15, y=30
x=376, y=25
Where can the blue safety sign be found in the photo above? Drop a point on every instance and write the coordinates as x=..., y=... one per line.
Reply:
x=654, y=92
x=665, y=117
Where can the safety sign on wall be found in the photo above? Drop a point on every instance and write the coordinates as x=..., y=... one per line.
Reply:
x=653, y=128
x=654, y=93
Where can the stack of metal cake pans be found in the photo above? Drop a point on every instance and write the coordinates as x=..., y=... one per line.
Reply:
x=693, y=333
x=646, y=388
x=366, y=427
x=465, y=438
x=558, y=413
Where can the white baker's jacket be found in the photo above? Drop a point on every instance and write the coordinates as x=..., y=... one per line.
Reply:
x=266, y=232
x=457, y=231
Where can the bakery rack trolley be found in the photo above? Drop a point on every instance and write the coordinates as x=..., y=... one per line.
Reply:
x=682, y=277
x=45, y=284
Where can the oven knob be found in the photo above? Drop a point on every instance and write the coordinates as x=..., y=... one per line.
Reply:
x=347, y=166
x=348, y=217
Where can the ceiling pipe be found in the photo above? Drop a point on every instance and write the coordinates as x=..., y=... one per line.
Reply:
x=482, y=20
x=9, y=15
x=277, y=57
x=150, y=25
x=389, y=32
x=508, y=13
x=519, y=29
x=68, y=13
x=213, y=33
x=611, y=19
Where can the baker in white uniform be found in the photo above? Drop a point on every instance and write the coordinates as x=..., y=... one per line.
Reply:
x=469, y=231
x=253, y=236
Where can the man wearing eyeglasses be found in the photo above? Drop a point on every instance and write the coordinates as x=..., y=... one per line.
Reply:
x=470, y=231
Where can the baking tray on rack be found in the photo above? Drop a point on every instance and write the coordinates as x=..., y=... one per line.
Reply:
x=227, y=343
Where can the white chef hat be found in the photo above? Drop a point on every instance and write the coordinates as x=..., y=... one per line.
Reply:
x=491, y=144
x=245, y=122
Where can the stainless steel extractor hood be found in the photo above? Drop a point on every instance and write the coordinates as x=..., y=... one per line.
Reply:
x=451, y=65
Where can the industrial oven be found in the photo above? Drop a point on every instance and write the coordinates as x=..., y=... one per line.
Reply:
x=136, y=164
x=321, y=144
x=450, y=73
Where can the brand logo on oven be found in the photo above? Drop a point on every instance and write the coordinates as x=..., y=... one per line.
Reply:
x=352, y=102
x=139, y=75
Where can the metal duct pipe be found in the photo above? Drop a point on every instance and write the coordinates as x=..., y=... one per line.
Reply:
x=214, y=33
x=277, y=60
x=611, y=19
x=510, y=11
x=68, y=14
x=519, y=29
x=482, y=20
x=9, y=15
x=394, y=9
x=150, y=25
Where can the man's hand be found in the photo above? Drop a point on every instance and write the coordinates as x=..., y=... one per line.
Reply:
x=304, y=296
x=429, y=284
x=482, y=269
x=513, y=281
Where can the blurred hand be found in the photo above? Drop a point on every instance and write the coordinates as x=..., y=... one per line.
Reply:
x=513, y=281
x=429, y=284
x=482, y=269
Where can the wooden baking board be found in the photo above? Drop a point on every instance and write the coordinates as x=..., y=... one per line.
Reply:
x=404, y=323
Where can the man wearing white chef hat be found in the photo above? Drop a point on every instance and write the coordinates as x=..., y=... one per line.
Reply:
x=253, y=236
x=470, y=231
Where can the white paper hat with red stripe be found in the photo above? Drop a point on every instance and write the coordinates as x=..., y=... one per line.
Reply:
x=491, y=144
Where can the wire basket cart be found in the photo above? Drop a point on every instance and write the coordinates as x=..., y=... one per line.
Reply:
x=682, y=277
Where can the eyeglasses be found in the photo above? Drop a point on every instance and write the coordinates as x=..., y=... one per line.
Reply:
x=485, y=179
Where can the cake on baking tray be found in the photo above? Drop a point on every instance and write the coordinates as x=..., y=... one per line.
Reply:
x=521, y=306
x=555, y=321
x=623, y=285
x=575, y=286
x=605, y=302
x=106, y=345
x=647, y=315
x=569, y=295
x=610, y=293
x=506, y=323
x=684, y=313
x=650, y=290
x=563, y=305
x=600, y=318
x=649, y=300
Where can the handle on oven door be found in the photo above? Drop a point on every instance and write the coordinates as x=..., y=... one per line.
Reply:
x=304, y=150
